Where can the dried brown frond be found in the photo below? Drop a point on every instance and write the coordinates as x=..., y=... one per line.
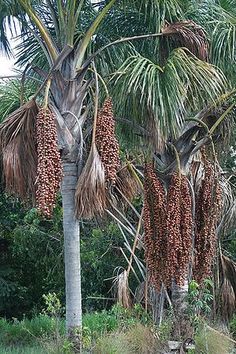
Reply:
x=18, y=150
x=227, y=299
x=190, y=35
x=90, y=195
x=127, y=183
x=123, y=292
x=227, y=305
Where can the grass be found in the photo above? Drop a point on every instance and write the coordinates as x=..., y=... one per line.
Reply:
x=22, y=350
x=118, y=331
x=45, y=334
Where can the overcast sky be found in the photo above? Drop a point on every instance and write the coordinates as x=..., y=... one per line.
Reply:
x=6, y=64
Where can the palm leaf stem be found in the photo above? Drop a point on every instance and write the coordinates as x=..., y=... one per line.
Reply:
x=118, y=41
x=44, y=33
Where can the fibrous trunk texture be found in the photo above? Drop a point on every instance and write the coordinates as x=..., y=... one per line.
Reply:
x=71, y=249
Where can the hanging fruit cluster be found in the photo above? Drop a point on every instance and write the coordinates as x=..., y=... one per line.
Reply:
x=168, y=225
x=155, y=226
x=106, y=142
x=208, y=207
x=49, y=168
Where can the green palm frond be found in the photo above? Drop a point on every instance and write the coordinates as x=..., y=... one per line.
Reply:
x=10, y=96
x=219, y=20
x=145, y=90
x=156, y=12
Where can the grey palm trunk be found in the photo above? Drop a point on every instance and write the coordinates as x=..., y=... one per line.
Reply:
x=68, y=96
x=71, y=249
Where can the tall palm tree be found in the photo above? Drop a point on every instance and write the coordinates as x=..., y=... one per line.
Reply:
x=163, y=76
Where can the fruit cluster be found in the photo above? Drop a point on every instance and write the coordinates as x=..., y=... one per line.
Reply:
x=155, y=226
x=208, y=206
x=106, y=142
x=168, y=225
x=49, y=168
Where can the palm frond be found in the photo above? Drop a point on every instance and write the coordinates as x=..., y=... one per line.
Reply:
x=18, y=151
x=228, y=217
x=156, y=12
x=127, y=184
x=90, y=195
x=184, y=83
x=11, y=94
x=218, y=19
x=121, y=286
x=190, y=35
x=228, y=287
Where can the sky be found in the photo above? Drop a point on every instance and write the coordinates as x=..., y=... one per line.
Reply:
x=6, y=64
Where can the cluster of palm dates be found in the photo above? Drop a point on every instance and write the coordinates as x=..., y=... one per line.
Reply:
x=173, y=238
x=49, y=168
x=106, y=142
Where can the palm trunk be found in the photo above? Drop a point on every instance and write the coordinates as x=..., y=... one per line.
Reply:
x=72, y=250
x=182, y=325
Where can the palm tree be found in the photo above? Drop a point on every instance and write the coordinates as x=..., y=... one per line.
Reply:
x=164, y=78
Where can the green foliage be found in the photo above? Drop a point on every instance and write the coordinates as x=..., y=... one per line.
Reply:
x=32, y=263
x=49, y=331
x=11, y=94
x=146, y=85
x=199, y=300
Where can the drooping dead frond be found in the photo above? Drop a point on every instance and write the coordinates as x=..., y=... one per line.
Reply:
x=228, y=287
x=18, y=151
x=122, y=287
x=228, y=213
x=227, y=300
x=190, y=35
x=223, y=134
x=90, y=195
x=49, y=168
x=127, y=184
